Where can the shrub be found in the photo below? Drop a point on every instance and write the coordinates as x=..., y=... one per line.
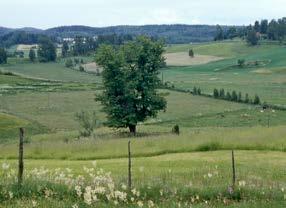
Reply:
x=240, y=62
x=239, y=99
x=176, y=129
x=81, y=68
x=69, y=63
x=76, y=61
x=191, y=53
x=87, y=122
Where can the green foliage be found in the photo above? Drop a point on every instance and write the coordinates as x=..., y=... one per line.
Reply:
x=228, y=96
x=216, y=93
x=69, y=63
x=195, y=91
x=222, y=93
x=47, y=50
x=191, y=53
x=199, y=91
x=176, y=129
x=219, y=33
x=3, y=56
x=87, y=122
x=246, y=99
x=81, y=68
x=130, y=79
x=32, y=55
x=252, y=37
x=65, y=49
x=234, y=96
x=241, y=62
x=256, y=100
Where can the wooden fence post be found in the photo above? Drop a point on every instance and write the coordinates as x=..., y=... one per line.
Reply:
x=21, y=162
x=129, y=166
x=233, y=169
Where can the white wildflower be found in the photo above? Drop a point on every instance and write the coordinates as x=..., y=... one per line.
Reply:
x=140, y=204
x=150, y=204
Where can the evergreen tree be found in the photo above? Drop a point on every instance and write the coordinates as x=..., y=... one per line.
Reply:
x=256, y=100
x=228, y=96
x=246, y=99
x=3, y=56
x=216, y=93
x=222, y=93
x=257, y=26
x=191, y=53
x=130, y=80
x=32, y=55
x=263, y=26
x=234, y=96
x=219, y=33
x=65, y=49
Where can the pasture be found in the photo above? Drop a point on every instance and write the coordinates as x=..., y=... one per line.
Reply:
x=194, y=167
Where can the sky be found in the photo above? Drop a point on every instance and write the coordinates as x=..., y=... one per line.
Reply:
x=98, y=13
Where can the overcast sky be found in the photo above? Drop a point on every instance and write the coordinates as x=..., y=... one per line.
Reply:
x=50, y=13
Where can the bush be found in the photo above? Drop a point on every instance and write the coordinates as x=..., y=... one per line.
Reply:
x=76, y=61
x=176, y=129
x=87, y=122
x=69, y=63
x=191, y=53
x=81, y=68
x=240, y=62
x=199, y=91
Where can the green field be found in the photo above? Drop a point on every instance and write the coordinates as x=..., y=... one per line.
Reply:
x=192, y=168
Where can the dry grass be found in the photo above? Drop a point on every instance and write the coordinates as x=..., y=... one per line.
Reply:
x=183, y=59
x=23, y=47
x=92, y=67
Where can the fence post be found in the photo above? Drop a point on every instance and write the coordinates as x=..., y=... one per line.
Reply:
x=21, y=162
x=129, y=166
x=233, y=169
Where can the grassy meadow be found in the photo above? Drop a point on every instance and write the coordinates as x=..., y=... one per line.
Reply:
x=192, y=169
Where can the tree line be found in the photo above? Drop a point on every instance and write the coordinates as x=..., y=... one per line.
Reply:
x=260, y=30
x=235, y=97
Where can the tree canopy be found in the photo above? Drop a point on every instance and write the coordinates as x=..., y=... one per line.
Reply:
x=47, y=50
x=3, y=56
x=130, y=80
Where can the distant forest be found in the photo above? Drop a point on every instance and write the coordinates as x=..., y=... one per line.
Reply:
x=171, y=34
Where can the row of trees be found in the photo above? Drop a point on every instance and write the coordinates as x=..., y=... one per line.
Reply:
x=235, y=97
x=273, y=30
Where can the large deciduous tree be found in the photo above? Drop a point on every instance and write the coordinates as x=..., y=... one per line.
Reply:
x=47, y=50
x=130, y=80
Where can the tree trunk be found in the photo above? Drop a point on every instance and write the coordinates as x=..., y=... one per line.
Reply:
x=132, y=128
